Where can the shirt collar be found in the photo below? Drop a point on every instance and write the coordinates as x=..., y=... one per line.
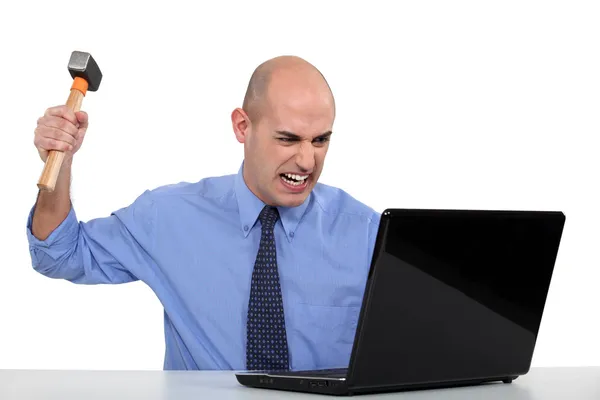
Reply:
x=250, y=207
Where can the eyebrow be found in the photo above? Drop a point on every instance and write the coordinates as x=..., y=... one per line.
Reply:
x=291, y=135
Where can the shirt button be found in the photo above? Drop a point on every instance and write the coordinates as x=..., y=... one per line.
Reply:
x=246, y=228
x=292, y=234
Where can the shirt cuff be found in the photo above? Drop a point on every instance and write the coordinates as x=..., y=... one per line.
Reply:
x=65, y=233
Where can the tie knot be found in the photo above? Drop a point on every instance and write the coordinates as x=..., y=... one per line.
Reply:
x=268, y=216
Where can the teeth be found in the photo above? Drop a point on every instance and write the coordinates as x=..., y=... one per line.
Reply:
x=296, y=177
x=300, y=179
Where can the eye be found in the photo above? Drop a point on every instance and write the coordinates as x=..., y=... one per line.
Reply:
x=321, y=140
x=285, y=139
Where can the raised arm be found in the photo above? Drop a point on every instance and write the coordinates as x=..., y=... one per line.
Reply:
x=114, y=249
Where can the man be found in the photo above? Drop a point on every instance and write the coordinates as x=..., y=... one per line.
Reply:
x=263, y=269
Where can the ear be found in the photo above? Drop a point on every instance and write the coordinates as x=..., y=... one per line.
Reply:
x=241, y=124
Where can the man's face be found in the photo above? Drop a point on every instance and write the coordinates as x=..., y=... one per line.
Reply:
x=285, y=149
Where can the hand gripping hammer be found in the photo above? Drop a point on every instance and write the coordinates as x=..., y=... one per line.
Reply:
x=86, y=76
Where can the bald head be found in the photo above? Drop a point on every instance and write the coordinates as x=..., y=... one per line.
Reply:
x=283, y=76
x=285, y=125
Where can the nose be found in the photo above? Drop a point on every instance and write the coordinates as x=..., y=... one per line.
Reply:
x=305, y=158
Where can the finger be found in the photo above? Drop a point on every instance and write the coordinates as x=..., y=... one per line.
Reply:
x=56, y=134
x=63, y=112
x=48, y=144
x=80, y=136
x=59, y=123
x=43, y=154
x=82, y=118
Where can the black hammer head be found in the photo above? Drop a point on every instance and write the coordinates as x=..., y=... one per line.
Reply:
x=83, y=65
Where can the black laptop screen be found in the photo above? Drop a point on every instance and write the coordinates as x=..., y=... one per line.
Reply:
x=500, y=259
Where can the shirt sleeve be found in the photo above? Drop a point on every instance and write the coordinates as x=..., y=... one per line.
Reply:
x=110, y=250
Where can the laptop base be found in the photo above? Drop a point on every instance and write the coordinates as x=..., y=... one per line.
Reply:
x=309, y=382
x=306, y=384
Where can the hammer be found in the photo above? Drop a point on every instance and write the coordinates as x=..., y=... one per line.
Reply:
x=86, y=76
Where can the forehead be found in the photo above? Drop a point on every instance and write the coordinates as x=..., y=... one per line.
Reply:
x=301, y=110
x=302, y=121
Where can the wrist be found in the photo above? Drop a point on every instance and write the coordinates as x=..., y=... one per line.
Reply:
x=67, y=160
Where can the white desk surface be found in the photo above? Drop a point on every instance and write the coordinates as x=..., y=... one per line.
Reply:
x=581, y=383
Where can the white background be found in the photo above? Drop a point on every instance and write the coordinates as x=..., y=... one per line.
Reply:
x=449, y=104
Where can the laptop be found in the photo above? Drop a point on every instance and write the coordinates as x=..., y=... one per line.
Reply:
x=452, y=298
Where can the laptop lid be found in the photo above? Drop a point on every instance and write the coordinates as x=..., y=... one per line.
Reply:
x=454, y=295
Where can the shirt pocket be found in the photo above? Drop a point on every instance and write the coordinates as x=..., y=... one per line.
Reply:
x=323, y=335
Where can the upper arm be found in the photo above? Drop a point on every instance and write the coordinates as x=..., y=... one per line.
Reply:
x=112, y=249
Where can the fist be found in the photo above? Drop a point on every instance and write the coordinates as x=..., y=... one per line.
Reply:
x=60, y=129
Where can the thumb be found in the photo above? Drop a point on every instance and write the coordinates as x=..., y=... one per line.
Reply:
x=82, y=118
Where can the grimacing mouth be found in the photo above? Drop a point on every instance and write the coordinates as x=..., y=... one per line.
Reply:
x=294, y=179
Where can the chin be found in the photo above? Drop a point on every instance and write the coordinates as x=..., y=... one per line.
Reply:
x=293, y=200
x=296, y=203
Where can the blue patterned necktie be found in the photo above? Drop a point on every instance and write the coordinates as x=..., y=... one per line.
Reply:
x=266, y=347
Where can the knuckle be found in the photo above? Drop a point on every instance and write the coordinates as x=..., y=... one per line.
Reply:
x=39, y=131
x=56, y=133
x=56, y=111
x=68, y=114
x=51, y=111
x=66, y=126
x=54, y=145
x=42, y=121
x=74, y=132
x=71, y=114
x=62, y=124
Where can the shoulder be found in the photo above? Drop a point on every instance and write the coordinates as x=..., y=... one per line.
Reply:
x=177, y=200
x=208, y=188
x=216, y=191
x=337, y=203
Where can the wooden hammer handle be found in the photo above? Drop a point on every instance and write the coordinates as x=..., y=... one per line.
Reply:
x=55, y=158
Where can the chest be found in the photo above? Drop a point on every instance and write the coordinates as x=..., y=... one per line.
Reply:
x=314, y=268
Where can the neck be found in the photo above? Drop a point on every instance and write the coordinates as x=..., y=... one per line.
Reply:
x=253, y=188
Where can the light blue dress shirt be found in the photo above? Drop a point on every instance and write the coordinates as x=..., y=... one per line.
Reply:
x=194, y=245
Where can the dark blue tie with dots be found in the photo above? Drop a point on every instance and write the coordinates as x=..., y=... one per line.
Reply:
x=266, y=347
